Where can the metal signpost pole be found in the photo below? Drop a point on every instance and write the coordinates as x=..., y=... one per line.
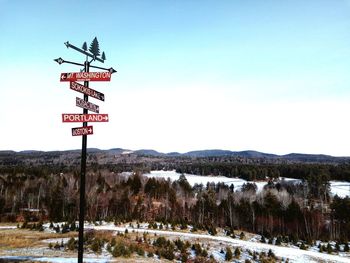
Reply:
x=82, y=178
x=85, y=76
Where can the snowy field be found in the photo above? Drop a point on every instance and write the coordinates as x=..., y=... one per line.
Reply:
x=52, y=259
x=198, y=179
x=293, y=254
x=214, y=244
x=341, y=188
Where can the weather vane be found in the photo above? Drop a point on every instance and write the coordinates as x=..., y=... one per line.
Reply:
x=94, y=54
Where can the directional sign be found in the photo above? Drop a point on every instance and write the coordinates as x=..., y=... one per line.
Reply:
x=87, y=105
x=72, y=117
x=86, y=76
x=88, y=130
x=87, y=91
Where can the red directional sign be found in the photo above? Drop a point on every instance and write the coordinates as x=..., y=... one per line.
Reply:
x=72, y=117
x=86, y=76
x=88, y=130
x=87, y=91
x=87, y=105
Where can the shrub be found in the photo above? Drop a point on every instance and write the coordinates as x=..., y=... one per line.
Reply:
x=121, y=250
x=160, y=242
x=241, y=236
x=71, y=243
x=271, y=254
x=329, y=249
x=96, y=245
x=320, y=248
x=237, y=252
x=140, y=251
x=228, y=255
x=197, y=249
x=179, y=244
x=57, y=246
x=184, y=257
x=278, y=241
x=167, y=253
x=73, y=227
x=113, y=242
x=204, y=253
x=337, y=247
x=303, y=246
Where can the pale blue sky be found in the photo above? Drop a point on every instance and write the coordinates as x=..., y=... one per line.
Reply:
x=271, y=76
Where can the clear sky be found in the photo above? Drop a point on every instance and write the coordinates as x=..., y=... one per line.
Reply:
x=270, y=76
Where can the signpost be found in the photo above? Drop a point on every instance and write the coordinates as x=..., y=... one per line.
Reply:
x=88, y=130
x=87, y=91
x=86, y=105
x=86, y=76
x=73, y=117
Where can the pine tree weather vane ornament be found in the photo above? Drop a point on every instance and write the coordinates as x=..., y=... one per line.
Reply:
x=86, y=76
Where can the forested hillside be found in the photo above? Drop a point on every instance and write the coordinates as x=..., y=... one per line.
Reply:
x=33, y=190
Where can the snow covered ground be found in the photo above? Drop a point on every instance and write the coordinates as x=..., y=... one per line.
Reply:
x=199, y=179
x=341, y=188
x=7, y=227
x=292, y=253
x=52, y=259
x=214, y=244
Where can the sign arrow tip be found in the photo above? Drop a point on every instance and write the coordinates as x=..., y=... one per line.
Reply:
x=112, y=70
x=59, y=60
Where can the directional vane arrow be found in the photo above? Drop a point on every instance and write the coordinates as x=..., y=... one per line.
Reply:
x=61, y=61
x=68, y=45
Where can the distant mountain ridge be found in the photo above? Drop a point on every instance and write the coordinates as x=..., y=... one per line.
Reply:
x=296, y=157
x=249, y=154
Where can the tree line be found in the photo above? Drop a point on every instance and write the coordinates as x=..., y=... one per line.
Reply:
x=298, y=210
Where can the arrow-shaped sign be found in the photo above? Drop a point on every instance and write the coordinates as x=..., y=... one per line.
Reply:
x=86, y=105
x=72, y=117
x=86, y=76
x=87, y=91
x=88, y=130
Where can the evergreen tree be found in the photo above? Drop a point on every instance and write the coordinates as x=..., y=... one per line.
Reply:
x=95, y=47
x=84, y=47
x=237, y=252
x=228, y=255
x=329, y=249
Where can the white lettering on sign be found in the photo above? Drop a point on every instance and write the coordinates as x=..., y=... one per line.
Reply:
x=85, y=117
x=86, y=76
x=87, y=105
x=89, y=75
x=82, y=131
x=90, y=92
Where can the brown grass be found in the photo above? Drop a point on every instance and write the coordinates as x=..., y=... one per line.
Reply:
x=21, y=238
